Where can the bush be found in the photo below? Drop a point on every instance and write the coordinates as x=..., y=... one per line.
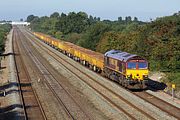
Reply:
x=173, y=78
x=4, y=29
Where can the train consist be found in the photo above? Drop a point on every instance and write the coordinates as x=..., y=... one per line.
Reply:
x=129, y=70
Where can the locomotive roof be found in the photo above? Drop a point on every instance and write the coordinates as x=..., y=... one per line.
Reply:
x=122, y=56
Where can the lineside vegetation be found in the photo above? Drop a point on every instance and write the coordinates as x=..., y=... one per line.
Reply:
x=4, y=29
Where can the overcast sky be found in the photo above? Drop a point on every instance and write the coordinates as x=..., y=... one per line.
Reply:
x=105, y=9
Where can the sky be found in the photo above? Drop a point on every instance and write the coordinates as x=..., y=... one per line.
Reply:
x=105, y=9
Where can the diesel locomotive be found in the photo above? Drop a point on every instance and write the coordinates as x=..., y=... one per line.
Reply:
x=129, y=70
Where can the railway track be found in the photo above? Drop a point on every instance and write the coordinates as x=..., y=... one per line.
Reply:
x=65, y=63
x=161, y=104
x=30, y=101
x=72, y=108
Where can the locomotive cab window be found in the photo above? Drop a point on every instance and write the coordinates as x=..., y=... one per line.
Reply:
x=142, y=65
x=131, y=65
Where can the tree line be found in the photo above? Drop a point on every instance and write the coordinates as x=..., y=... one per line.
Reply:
x=78, y=28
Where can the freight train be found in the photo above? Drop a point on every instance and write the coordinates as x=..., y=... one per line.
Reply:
x=129, y=70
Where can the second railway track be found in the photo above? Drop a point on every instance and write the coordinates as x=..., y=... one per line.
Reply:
x=30, y=101
x=163, y=105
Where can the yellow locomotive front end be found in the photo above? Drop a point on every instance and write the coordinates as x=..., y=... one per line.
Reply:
x=137, y=70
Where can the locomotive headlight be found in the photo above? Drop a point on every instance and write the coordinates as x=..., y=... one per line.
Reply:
x=129, y=76
x=145, y=76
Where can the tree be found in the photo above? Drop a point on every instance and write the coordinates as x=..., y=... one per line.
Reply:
x=91, y=20
x=55, y=15
x=132, y=27
x=93, y=35
x=135, y=19
x=31, y=18
x=98, y=19
x=119, y=19
x=58, y=34
x=73, y=22
x=128, y=19
x=63, y=15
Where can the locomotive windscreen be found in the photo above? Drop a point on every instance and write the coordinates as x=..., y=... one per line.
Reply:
x=140, y=64
x=131, y=65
